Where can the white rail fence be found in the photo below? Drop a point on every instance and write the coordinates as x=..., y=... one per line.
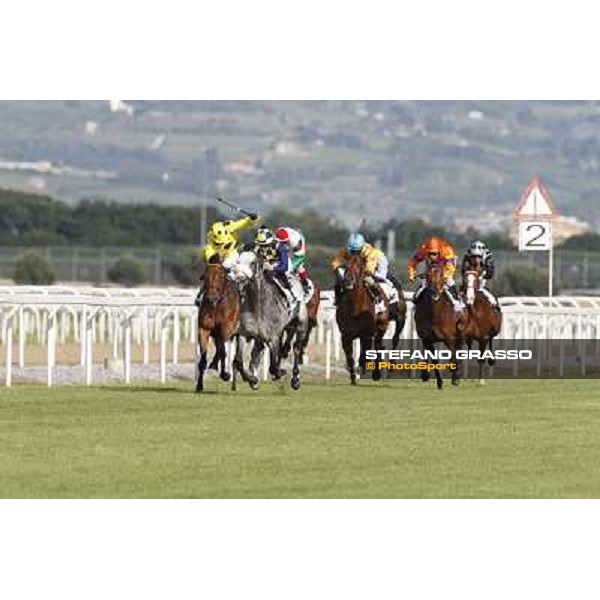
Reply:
x=166, y=318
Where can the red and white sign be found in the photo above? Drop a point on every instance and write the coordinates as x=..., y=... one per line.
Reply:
x=535, y=203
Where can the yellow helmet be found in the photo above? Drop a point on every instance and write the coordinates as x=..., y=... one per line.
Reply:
x=220, y=233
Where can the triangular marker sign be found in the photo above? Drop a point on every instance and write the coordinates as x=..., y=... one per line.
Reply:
x=535, y=202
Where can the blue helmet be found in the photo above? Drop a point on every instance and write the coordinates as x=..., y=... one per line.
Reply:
x=355, y=242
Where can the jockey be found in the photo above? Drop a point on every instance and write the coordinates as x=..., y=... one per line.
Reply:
x=478, y=249
x=295, y=242
x=278, y=262
x=435, y=250
x=376, y=264
x=222, y=240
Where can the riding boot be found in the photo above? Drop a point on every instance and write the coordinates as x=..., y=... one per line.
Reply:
x=305, y=286
x=338, y=293
x=198, y=300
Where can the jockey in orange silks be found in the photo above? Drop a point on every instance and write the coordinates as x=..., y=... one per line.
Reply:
x=435, y=250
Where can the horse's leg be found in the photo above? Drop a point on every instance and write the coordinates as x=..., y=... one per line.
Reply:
x=438, y=376
x=378, y=344
x=234, y=369
x=203, y=336
x=255, y=354
x=224, y=374
x=454, y=345
x=482, y=345
x=298, y=350
x=491, y=361
x=214, y=363
x=349, y=352
x=286, y=345
x=238, y=361
x=427, y=344
x=274, y=367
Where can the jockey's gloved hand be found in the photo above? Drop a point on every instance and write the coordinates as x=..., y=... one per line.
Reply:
x=253, y=216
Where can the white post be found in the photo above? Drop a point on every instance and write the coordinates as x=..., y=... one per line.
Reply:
x=328, y=355
x=176, y=335
x=127, y=352
x=51, y=323
x=163, y=349
x=8, y=351
x=550, y=269
x=145, y=336
x=115, y=339
x=22, y=336
x=82, y=330
x=88, y=351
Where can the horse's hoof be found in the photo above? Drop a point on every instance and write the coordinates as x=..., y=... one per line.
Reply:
x=455, y=381
x=440, y=384
x=214, y=365
x=482, y=382
x=253, y=385
x=353, y=381
x=199, y=389
x=424, y=376
x=376, y=376
x=295, y=383
x=225, y=376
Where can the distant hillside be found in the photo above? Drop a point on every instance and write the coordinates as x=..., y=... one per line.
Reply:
x=461, y=163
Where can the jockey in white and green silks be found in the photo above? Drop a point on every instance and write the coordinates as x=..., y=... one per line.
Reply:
x=296, y=243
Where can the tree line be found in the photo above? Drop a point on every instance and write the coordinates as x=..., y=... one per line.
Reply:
x=35, y=220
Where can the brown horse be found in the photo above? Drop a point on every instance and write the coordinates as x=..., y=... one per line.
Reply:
x=437, y=320
x=484, y=319
x=356, y=316
x=218, y=317
x=312, y=309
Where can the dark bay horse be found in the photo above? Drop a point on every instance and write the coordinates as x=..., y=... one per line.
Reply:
x=436, y=320
x=484, y=319
x=356, y=316
x=218, y=317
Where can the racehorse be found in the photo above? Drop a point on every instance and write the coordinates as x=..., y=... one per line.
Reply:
x=436, y=320
x=484, y=319
x=265, y=315
x=312, y=309
x=356, y=316
x=218, y=317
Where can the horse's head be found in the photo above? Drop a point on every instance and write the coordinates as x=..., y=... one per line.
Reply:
x=214, y=282
x=353, y=273
x=436, y=280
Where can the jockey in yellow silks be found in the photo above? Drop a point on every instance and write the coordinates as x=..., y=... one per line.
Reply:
x=223, y=239
x=435, y=250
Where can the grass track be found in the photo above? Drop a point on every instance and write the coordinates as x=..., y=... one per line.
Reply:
x=395, y=440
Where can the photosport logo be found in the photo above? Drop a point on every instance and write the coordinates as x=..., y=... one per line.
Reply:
x=506, y=359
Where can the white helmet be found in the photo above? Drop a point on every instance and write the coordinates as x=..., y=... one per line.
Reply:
x=478, y=248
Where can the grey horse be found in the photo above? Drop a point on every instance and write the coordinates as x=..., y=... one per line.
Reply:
x=264, y=316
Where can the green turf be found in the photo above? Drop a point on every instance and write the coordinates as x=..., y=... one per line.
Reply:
x=398, y=439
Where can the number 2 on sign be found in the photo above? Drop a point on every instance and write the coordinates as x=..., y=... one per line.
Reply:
x=535, y=235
